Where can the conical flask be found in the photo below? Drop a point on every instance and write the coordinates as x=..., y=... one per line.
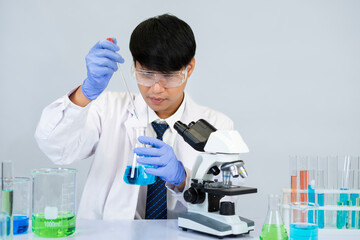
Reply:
x=273, y=228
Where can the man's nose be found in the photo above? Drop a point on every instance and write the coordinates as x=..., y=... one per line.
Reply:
x=157, y=88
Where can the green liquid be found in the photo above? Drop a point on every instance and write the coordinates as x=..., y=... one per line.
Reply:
x=273, y=232
x=7, y=201
x=62, y=226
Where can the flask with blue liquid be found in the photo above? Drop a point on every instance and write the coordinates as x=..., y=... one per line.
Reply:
x=135, y=173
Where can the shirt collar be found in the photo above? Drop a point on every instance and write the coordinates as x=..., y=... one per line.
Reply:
x=152, y=116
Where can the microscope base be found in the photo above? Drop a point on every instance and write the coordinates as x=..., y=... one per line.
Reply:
x=215, y=224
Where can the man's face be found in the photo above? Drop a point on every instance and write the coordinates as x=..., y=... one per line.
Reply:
x=165, y=101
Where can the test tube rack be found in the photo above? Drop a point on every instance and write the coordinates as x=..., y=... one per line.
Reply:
x=330, y=216
x=331, y=182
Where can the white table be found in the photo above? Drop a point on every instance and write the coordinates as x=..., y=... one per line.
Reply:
x=163, y=229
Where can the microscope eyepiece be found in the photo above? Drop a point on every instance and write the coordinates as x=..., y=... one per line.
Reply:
x=180, y=127
x=196, y=133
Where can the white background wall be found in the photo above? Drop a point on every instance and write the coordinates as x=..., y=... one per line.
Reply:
x=286, y=72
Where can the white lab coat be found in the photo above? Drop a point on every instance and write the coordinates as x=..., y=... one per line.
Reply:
x=67, y=133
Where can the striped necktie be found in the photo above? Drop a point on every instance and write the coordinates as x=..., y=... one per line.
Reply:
x=156, y=205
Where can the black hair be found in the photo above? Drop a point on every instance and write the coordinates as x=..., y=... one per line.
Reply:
x=163, y=43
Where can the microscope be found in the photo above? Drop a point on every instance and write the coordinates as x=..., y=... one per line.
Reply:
x=206, y=214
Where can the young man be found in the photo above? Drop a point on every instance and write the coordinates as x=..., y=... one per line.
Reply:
x=88, y=122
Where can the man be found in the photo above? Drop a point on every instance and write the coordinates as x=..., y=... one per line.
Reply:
x=88, y=122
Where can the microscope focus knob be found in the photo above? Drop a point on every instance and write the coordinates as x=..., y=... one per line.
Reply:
x=192, y=195
x=227, y=208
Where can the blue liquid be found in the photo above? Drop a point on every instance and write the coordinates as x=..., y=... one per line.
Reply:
x=321, y=212
x=342, y=216
x=353, y=197
x=311, y=200
x=303, y=232
x=140, y=176
x=21, y=224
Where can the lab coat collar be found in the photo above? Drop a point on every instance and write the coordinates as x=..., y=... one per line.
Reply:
x=152, y=116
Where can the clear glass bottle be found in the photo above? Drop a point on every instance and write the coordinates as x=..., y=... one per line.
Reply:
x=273, y=228
x=135, y=173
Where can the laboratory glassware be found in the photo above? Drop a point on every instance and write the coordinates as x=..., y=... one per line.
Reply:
x=4, y=220
x=273, y=228
x=332, y=184
x=321, y=182
x=7, y=193
x=125, y=84
x=135, y=172
x=21, y=204
x=312, y=178
x=304, y=178
x=303, y=221
x=53, y=204
x=293, y=178
x=354, y=184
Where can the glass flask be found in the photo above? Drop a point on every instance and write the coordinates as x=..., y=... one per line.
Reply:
x=273, y=228
x=21, y=204
x=135, y=173
x=53, y=205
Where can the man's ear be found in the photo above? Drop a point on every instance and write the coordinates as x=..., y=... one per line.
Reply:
x=191, y=67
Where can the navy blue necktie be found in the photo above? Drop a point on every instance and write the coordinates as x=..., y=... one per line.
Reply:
x=156, y=205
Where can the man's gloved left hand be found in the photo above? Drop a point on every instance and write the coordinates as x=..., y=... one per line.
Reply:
x=162, y=155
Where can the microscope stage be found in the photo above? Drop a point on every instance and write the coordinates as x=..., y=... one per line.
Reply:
x=231, y=191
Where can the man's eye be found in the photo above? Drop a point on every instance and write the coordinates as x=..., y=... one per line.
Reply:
x=147, y=74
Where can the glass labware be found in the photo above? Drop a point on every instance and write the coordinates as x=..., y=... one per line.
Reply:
x=303, y=221
x=53, y=205
x=135, y=172
x=4, y=220
x=273, y=228
x=21, y=204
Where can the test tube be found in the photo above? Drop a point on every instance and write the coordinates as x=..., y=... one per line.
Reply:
x=332, y=184
x=304, y=178
x=293, y=178
x=354, y=185
x=357, y=215
x=320, y=185
x=7, y=192
x=312, y=166
x=344, y=169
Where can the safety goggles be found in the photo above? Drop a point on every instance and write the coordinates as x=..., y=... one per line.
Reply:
x=167, y=80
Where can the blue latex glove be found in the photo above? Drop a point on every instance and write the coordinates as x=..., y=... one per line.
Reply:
x=101, y=63
x=169, y=168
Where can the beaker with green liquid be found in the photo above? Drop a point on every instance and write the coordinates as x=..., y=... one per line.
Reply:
x=54, y=192
x=273, y=228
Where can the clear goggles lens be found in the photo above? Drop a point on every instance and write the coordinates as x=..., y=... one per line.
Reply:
x=167, y=80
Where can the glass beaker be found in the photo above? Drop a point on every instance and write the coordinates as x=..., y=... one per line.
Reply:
x=273, y=228
x=303, y=221
x=21, y=204
x=135, y=173
x=53, y=205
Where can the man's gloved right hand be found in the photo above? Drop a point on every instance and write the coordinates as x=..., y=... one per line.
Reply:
x=101, y=63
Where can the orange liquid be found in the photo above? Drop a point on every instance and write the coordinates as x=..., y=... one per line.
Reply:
x=303, y=185
x=293, y=188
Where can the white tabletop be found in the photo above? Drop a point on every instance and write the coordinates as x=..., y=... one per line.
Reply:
x=162, y=229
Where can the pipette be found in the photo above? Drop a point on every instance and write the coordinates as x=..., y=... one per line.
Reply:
x=126, y=86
